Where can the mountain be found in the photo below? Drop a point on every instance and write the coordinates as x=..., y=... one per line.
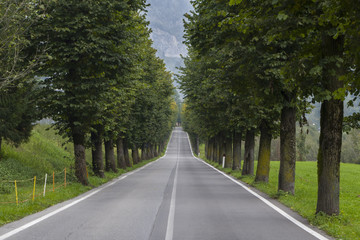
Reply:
x=166, y=22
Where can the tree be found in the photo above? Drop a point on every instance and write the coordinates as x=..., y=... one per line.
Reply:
x=82, y=37
x=18, y=112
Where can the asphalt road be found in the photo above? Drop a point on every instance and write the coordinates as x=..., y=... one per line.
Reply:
x=177, y=197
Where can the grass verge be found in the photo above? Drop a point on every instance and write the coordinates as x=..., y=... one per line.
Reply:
x=346, y=226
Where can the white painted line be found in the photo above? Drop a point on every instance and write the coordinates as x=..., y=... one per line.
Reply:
x=170, y=223
x=171, y=217
x=36, y=221
x=290, y=218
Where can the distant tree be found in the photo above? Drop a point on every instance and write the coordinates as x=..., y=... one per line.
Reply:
x=18, y=112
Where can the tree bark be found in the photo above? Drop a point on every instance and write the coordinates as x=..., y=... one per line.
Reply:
x=143, y=152
x=206, y=149
x=156, y=153
x=97, y=154
x=120, y=153
x=110, y=156
x=151, y=151
x=220, y=148
x=263, y=167
x=287, y=150
x=248, y=168
x=212, y=149
x=126, y=153
x=197, y=145
x=135, y=154
x=80, y=161
x=237, y=150
x=228, y=151
x=329, y=157
x=217, y=151
x=332, y=113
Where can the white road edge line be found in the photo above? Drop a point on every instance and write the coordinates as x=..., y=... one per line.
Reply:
x=36, y=221
x=290, y=218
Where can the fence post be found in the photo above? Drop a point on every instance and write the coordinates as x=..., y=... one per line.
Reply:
x=33, y=198
x=45, y=184
x=16, y=194
x=53, y=181
x=65, y=177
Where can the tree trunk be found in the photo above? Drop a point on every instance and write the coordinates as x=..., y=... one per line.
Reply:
x=156, y=153
x=221, y=148
x=151, y=151
x=135, y=154
x=212, y=148
x=197, y=145
x=263, y=167
x=248, y=168
x=206, y=149
x=143, y=152
x=97, y=154
x=126, y=153
x=80, y=161
x=329, y=157
x=332, y=113
x=120, y=153
x=237, y=151
x=287, y=150
x=228, y=151
x=110, y=156
x=217, y=153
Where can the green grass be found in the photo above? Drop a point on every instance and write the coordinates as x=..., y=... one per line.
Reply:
x=46, y=152
x=345, y=226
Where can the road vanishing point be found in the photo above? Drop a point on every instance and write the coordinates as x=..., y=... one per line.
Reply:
x=176, y=197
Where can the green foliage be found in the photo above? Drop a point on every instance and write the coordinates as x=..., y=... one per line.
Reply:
x=18, y=112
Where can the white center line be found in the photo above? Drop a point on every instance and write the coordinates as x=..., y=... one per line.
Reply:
x=170, y=224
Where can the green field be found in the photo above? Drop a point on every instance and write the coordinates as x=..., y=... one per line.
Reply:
x=45, y=153
x=344, y=226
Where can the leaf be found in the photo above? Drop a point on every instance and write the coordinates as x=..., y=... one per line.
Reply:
x=234, y=2
x=282, y=16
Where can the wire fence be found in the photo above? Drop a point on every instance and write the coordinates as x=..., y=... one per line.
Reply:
x=25, y=190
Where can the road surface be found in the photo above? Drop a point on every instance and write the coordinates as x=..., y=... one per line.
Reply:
x=177, y=197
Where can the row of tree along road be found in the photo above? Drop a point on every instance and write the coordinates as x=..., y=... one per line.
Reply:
x=255, y=67
x=101, y=80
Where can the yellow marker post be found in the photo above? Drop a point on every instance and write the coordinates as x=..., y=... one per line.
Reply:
x=53, y=182
x=65, y=177
x=33, y=198
x=16, y=193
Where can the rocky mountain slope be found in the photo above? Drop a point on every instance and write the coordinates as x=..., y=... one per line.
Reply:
x=166, y=22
